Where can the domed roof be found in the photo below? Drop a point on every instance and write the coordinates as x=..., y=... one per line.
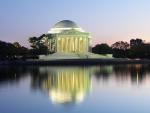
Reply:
x=63, y=26
x=66, y=24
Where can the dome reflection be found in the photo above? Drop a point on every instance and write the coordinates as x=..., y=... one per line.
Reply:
x=65, y=84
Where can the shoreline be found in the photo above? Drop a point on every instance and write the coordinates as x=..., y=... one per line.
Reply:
x=75, y=62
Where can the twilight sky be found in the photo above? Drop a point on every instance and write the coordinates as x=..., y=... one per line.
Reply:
x=108, y=21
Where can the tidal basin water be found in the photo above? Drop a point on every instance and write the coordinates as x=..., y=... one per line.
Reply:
x=75, y=89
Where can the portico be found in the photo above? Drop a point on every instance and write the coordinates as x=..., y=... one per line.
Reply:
x=77, y=44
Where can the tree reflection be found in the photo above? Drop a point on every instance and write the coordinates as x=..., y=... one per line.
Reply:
x=136, y=72
x=102, y=71
x=12, y=74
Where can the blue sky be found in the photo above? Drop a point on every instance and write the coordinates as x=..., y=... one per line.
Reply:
x=108, y=21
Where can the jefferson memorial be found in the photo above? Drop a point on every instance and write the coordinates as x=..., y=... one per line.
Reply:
x=67, y=37
x=66, y=40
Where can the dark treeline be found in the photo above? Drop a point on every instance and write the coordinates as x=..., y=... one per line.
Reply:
x=102, y=49
x=11, y=51
x=135, y=49
x=14, y=51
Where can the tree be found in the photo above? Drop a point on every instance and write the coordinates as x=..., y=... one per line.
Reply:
x=120, y=45
x=33, y=42
x=7, y=50
x=138, y=49
x=136, y=42
x=120, y=49
x=102, y=49
x=37, y=45
x=16, y=44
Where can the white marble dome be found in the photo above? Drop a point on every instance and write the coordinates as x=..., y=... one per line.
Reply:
x=64, y=25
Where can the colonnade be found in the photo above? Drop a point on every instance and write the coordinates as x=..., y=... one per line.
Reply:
x=72, y=44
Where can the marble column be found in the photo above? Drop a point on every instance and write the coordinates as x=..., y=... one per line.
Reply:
x=69, y=45
x=61, y=44
x=78, y=44
x=74, y=44
x=57, y=45
x=66, y=44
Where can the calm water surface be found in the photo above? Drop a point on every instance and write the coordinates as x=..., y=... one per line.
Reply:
x=78, y=89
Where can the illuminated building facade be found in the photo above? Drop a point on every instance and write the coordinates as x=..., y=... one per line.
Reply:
x=67, y=37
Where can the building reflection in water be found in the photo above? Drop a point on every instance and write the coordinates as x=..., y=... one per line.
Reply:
x=64, y=84
x=72, y=84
